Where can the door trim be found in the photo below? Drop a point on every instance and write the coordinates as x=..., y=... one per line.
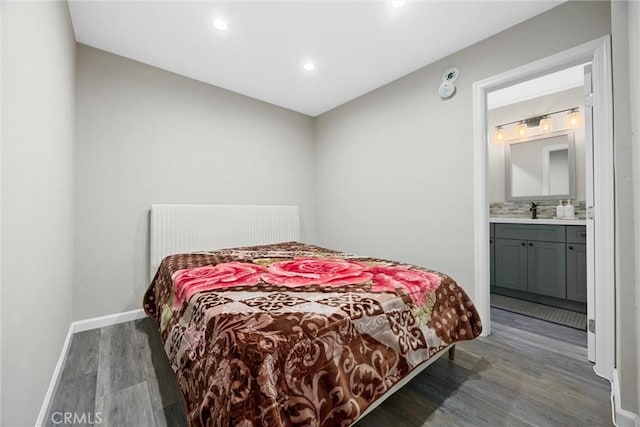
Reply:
x=598, y=52
x=590, y=241
x=1, y=145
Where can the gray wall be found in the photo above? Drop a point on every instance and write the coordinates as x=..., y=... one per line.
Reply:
x=395, y=166
x=38, y=50
x=149, y=136
x=634, y=72
x=392, y=166
x=626, y=334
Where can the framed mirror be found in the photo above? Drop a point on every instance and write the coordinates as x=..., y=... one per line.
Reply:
x=541, y=167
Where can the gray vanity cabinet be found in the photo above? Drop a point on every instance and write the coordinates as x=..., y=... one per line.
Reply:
x=539, y=262
x=546, y=269
x=529, y=265
x=511, y=264
x=576, y=264
x=492, y=251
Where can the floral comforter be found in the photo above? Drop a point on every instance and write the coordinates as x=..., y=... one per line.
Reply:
x=293, y=334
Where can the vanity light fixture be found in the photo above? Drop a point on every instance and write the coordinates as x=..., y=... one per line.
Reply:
x=396, y=4
x=544, y=122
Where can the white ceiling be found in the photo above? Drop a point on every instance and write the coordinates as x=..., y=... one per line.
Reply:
x=356, y=46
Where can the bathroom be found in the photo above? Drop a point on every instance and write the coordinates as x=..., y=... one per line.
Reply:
x=538, y=158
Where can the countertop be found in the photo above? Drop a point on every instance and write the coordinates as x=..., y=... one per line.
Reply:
x=546, y=221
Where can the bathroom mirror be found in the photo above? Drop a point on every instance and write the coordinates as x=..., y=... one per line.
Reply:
x=541, y=167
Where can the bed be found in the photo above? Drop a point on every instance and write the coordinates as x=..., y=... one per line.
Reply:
x=281, y=334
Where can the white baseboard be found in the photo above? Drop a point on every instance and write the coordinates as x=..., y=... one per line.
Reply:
x=110, y=319
x=55, y=377
x=623, y=417
x=79, y=326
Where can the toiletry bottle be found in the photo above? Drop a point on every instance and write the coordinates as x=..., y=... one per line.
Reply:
x=568, y=210
x=560, y=210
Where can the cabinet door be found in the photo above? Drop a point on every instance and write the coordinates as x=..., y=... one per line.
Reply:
x=511, y=264
x=577, y=272
x=492, y=255
x=546, y=269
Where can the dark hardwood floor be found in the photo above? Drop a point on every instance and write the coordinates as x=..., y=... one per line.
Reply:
x=527, y=373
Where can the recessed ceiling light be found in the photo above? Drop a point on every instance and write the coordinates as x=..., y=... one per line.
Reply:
x=220, y=24
x=398, y=3
x=309, y=66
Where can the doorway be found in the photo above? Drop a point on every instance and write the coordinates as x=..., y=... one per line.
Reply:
x=537, y=154
x=600, y=224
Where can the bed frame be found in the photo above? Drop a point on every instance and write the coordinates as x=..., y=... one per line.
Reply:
x=451, y=349
x=194, y=228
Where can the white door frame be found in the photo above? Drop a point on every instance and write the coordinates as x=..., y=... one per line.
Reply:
x=598, y=52
x=1, y=132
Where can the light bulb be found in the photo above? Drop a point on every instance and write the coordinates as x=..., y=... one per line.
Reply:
x=499, y=135
x=573, y=118
x=521, y=129
x=397, y=3
x=546, y=124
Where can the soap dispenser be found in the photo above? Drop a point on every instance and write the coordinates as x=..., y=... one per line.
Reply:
x=560, y=210
x=568, y=210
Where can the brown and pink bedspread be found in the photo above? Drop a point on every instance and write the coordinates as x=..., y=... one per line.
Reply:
x=293, y=334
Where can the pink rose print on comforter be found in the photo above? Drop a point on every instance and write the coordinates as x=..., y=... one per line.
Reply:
x=416, y=283
x=316, y=271
x=190, y=281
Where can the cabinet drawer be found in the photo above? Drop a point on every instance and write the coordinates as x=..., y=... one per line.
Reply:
x=576, y=234
x=545, y=233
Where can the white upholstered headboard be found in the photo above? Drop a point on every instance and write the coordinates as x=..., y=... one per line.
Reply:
x=193, y=228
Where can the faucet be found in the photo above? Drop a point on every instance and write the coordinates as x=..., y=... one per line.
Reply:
x=534, y=210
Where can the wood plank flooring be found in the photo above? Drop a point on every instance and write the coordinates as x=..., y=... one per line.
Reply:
x=527, y=373
x=121, y=373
